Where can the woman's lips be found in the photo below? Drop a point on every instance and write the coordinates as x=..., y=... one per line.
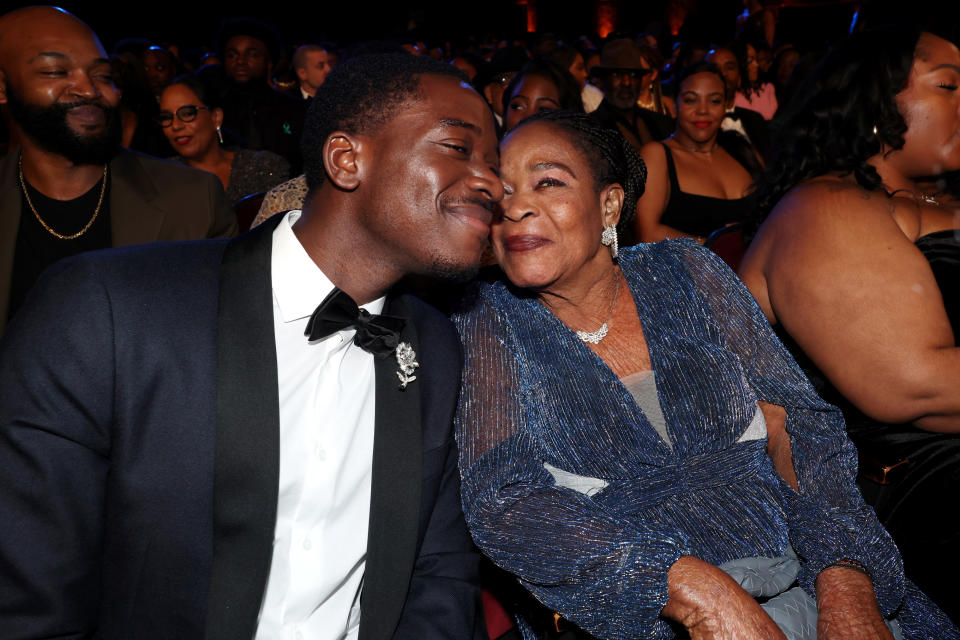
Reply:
x=182, y=140
x=524, y=242
x=701, y=124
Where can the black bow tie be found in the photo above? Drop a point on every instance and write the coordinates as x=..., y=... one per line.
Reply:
x=378, y=335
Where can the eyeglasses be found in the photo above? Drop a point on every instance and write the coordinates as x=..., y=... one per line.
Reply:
x=186, y=113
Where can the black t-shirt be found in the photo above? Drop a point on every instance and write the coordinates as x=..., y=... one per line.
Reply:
x=37, y=248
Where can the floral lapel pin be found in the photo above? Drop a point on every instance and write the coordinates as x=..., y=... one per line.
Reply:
x=407, y=361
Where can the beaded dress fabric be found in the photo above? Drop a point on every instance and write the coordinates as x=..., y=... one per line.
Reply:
x=567, y=485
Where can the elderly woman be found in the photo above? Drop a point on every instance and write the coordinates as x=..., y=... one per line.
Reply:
x=636, y=445
x=859, y=270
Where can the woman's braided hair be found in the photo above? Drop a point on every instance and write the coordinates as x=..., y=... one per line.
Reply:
x=611, y=158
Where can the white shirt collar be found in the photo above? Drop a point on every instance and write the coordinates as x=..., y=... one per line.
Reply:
x=298, y=283
x=304, y=94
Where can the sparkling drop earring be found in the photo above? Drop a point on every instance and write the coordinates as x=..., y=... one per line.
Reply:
x=609, y=239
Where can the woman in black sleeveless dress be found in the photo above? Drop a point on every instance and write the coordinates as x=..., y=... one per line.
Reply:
x=859, y=270
x=700, y=177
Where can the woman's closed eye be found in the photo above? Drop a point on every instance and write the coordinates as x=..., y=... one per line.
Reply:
x=550, y=182
x=459, y=148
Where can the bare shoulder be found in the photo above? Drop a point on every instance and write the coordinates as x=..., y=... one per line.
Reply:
x=653, y=152
x=829, y=210
x=820, y=231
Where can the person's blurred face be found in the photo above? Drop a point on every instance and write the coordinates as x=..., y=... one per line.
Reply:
x=58, y=86
x=753, y=65
x=579, y=70
x=533, y=95
x=160, y=69
x=246, y=58
x=314, y=72
x=700, y=109
x=622, y=87
x=765, y=60
x=729, y=67
x=192, y=128
x=552, y=216
x=785, y=66
x=930, y=104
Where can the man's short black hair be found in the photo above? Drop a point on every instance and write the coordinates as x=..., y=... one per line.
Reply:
x=245, y=26
x=361, y=95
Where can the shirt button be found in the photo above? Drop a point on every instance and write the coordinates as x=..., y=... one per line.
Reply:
x=307, y=544
x=320, y=452
x=299, y=636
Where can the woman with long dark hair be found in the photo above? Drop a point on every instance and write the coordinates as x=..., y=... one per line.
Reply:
x=859, y=270
x=753, y=93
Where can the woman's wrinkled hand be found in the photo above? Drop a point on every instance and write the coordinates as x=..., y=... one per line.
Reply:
x=847, y=607
x=712, y=606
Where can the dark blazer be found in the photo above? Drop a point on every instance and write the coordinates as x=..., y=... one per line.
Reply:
x=658, y=126
x=150, y=200
x=756, y=127
x=139, y=455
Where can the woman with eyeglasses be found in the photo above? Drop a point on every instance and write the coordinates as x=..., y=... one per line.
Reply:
x=700, y=177
x=191, y=117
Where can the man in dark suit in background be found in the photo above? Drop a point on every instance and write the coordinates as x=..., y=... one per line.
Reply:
x=621, y=70
x=178, y=460
x=746, y=122
x=311, y=63
x=254, y=114
x=70, y=187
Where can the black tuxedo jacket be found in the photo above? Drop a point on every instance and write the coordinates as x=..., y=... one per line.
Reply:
x=139, y=455
x=756, y=127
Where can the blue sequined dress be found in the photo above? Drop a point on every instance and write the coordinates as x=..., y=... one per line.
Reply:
x=537, y=403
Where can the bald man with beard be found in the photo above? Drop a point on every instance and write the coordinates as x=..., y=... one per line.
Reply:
x=69, y=187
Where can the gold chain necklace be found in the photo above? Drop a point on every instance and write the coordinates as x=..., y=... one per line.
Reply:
x=96, y=212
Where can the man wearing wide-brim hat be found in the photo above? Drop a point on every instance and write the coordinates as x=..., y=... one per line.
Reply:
x=621, y=69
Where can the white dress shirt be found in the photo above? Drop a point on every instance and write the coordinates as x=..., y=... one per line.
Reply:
x=326, y=451
x=734, y=124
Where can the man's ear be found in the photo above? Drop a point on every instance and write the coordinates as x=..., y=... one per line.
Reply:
x=3, y=87
x=343, y=159
x=611, y=202
x=301, y=74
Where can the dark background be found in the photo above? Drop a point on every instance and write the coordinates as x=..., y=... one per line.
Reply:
x=193, y=23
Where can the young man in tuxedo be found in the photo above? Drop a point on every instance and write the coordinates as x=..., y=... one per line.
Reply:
x=179, y=460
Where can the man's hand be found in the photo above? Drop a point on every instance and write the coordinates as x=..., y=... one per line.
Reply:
x=847, y=607
x=712, y=606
